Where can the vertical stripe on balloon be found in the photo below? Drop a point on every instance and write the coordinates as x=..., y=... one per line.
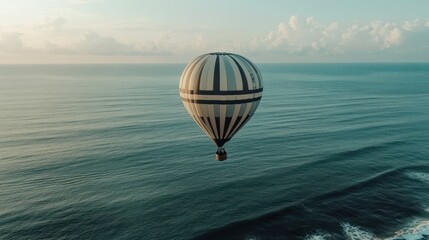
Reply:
x=222, y=74
x=222, y=120
x=234, y=118
x=198, y=80
x=213, y=120
x=210, y=73
x=190, y=71
x=230, y=76
x=252, y=71
x=216, y=75
x=237, y=76
x=242, y=74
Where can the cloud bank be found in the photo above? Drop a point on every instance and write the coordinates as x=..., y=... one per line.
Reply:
x=302, y=35
x=297, y=36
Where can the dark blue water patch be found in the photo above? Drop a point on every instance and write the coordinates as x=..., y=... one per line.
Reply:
x=75, y=221
x=380, y=204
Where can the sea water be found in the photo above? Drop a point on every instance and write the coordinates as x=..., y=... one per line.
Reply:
x=335, y=151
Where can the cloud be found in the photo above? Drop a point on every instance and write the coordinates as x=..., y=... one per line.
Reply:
x=411, y=25
x=89, y=43
x=300, y=36
x=384, y=35
x=54, y=23
x=293, y=22
x=307, y=36
x=393, y=37
x=92, y=43
x=11, y=42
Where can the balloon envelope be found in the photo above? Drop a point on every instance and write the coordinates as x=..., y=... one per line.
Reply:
x=221, y=92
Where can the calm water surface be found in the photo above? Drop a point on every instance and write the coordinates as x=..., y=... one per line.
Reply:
x=335, y=151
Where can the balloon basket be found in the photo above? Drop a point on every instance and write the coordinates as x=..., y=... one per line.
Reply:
x=221, y=154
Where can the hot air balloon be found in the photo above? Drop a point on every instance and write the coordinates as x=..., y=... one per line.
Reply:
x=221, y=92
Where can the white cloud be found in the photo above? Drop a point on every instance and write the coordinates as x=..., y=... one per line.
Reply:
x=283, y=30
x=331, y=29
x=293, y=22
x=411, y=25
x=393, y=37
x=384, y=35
x=301, y=36
x=310, y=21
x=308, y=36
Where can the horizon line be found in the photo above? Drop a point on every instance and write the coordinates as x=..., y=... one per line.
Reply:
x=174, y=63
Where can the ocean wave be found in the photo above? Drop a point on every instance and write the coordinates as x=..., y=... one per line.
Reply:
x=357, y=233
x=350, y=154
x=419, y=231
x=318, y=236
x=424, y=177
x=276, y=218
x=251, y=237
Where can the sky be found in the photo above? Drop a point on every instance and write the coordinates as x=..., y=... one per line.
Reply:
x=176, y=31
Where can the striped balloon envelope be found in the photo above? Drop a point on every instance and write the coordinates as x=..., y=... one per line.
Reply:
x=221, y=92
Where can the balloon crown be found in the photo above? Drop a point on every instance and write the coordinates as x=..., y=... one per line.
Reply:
x=220, y=53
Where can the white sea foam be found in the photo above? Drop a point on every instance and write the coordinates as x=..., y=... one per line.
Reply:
x=417, y=232
x=251, y=237
x=424, y=177
x=318, y=236
x=356, y=232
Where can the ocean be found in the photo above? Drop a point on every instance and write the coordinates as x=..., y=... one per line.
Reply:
x=334, y=151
